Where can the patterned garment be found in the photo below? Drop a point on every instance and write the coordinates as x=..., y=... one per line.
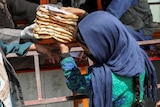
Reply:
x=122, y=86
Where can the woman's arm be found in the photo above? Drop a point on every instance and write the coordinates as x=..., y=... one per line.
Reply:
x=75, y=81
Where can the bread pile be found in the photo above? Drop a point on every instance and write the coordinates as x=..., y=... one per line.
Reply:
x=52, y=22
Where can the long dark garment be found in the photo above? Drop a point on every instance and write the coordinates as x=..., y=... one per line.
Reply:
x=15, y=91
x=114, y=50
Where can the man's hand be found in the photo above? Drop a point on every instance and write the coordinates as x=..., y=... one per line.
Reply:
x=76, y=11
x=27, y=32
x=46, y=50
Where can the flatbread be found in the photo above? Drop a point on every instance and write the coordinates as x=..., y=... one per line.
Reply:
x=56, y=24
x=60, y=12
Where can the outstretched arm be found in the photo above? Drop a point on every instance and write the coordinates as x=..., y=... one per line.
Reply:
x=22, y=49
x=75, y=81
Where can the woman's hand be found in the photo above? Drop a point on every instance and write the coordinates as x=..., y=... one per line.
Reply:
x=76, y=11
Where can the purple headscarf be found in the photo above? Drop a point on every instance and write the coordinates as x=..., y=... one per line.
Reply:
x=115, y=50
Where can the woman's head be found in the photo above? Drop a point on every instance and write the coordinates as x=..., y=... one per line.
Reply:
x=102, y=33
x=109, y=41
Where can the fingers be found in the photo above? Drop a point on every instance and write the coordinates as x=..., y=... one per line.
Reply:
x=51, y=60
x=54, y=59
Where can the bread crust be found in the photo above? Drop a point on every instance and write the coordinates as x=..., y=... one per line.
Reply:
x=57, y=25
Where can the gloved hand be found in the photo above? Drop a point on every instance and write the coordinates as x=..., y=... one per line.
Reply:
x=27, y=32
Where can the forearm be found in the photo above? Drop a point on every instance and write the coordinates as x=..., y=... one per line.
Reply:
x=75, y=81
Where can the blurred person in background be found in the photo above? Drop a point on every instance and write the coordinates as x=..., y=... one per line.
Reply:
x=13, y=31
x=134, y=14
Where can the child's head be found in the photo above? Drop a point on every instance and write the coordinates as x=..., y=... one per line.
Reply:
x=105, y=36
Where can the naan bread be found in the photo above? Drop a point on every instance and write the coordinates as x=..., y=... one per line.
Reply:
x=58, y=24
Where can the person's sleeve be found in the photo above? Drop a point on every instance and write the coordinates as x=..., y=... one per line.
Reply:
x=20, y=49
x=75, y=81
x=83, y=16
x=23, y=8
x=9, y=35
x=119, y=7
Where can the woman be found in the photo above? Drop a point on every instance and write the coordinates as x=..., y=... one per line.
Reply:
x=121, y=68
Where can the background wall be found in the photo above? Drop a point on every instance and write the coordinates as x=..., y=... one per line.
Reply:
x=155, y=8
x=53, y=85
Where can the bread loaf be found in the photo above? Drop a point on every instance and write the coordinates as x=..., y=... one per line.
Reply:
x=52, y=22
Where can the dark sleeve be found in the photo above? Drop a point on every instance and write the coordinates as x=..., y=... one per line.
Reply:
x=84, y=15
x=118, y=8
x=74, y=79
x=22, y=8
x=65, y=55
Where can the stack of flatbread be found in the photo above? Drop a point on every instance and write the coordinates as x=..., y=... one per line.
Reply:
x=52, y=22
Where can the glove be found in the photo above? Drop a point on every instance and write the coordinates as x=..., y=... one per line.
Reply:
x=27, y=32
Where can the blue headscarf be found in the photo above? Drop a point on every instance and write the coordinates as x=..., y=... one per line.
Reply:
x=114, y=50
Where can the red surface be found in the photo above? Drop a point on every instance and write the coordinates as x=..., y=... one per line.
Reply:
x=154, y=58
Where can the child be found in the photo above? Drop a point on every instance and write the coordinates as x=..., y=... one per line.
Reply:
x=121, y=68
